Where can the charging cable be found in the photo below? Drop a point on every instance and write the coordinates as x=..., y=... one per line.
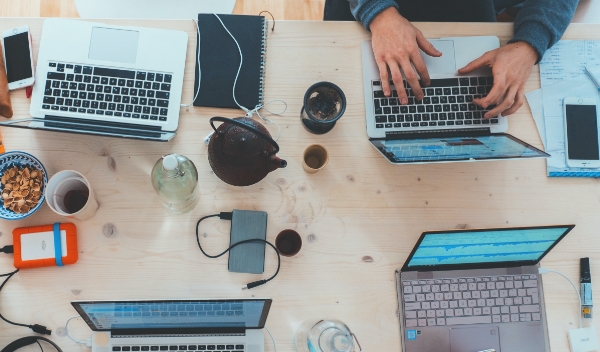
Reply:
x=249, y=113
x=40, y=329
x=545, y=271
x=87, y=342
x=228, y=216
x=272, y=339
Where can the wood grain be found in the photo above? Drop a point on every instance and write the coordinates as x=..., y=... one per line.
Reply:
x=281, y=9
x=359, y=217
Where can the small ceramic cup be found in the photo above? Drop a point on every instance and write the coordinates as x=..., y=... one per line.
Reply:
x=288, y=243
x=69, y=194
x=314, y=158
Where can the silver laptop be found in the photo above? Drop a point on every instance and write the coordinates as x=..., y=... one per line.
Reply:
x=109, y=80
x=418, y=132
x=176, y=325
x=476, y=290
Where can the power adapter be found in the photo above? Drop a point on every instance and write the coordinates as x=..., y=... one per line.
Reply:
x=583, y=339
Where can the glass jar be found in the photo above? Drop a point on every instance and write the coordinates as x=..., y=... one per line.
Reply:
x=175, y=179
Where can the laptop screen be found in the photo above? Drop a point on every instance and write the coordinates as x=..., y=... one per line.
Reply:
x=176, y=314
x=487, y=147
x=522, y=246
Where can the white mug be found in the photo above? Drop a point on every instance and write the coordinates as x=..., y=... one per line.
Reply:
x=63, y=182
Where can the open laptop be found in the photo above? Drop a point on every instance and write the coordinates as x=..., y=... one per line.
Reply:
x=102, y=79
x=446, y=125
x=476, y=290
x=176, y=325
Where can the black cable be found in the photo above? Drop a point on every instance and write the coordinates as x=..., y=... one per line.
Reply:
x=26, y=341
x=40, y=329
x=39, y=344
x=228, y=216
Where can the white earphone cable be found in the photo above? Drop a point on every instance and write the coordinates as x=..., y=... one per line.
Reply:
x=249, y=113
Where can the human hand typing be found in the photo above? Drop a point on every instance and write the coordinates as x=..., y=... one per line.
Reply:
x=511, y=65
x=396, y=44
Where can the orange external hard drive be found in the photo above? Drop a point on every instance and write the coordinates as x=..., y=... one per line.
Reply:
x=46, y=245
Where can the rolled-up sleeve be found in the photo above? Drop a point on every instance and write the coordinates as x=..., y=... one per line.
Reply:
x=541, y=23
x=366, y=10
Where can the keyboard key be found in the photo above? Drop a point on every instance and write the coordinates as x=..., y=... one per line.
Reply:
x=153, y=117
x=140, y=76
x=126, y=348
x=139, y=84
x=168, y=78
x=165, y=86
x=135, y=348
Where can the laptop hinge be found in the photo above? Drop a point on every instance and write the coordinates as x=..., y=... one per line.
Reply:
x=84, y=125
x=471, y=132
x=180, y=332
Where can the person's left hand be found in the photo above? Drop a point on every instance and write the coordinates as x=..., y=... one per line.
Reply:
x=511, y=65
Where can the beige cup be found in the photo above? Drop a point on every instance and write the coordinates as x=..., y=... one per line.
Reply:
x=67, y=181
x=314, y=158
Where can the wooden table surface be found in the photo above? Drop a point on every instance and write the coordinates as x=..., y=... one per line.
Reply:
x=359, y=217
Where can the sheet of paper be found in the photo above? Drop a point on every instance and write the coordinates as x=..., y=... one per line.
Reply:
x=562, y=73
x=536, y=104
x=553, y=96
x=567, y=60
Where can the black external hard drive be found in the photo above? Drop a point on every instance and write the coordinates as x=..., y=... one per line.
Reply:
x=248, y=257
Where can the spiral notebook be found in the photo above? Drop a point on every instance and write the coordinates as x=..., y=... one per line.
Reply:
x=220, y=60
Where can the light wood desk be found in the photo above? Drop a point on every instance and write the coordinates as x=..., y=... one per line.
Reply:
x=359, y=217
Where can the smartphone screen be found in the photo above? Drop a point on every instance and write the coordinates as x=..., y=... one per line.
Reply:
x=18, y=58
x=582, y=132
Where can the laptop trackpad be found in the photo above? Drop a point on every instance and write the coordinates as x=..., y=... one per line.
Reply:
x=474, y=339
x=115, y=45
x=443, y=64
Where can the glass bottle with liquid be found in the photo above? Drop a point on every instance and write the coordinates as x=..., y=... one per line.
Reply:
x=327, y=335
x=175, y=179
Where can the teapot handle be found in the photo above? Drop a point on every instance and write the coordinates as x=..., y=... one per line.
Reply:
x=248, y=127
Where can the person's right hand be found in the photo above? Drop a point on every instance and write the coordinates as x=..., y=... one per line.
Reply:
x=396, y=44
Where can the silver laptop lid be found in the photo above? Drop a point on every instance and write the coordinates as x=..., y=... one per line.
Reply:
x=174, y=316
x=487, y=248
x=457, y=146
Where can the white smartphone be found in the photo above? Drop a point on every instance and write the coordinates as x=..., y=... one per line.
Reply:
x=582, y=146
x=17, y=57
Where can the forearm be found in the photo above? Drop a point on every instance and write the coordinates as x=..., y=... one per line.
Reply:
x=366, y=10
x=541, y=23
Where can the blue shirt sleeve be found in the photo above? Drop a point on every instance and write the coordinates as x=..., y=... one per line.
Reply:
x=541, y=23
x=366, y=10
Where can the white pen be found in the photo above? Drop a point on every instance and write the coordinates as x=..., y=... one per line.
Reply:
x=593, y=78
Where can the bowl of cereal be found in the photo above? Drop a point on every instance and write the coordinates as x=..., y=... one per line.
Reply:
x=22, y=182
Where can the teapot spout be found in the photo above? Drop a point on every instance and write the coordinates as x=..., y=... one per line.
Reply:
x=276, y=163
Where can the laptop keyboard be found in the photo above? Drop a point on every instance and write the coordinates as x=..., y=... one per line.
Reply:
x=447, y=102
x=471, y=300
x=94, y=90
x=204, y=347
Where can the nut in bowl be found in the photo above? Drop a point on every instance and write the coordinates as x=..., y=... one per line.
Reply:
x=22, y=181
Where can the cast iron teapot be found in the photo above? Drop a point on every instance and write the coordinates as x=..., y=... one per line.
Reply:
x=241, y=152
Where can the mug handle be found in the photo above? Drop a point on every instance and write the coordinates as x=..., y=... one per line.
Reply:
x=249, y=128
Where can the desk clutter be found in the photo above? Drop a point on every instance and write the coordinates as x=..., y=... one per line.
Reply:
x=567, y=70
x=459, y=290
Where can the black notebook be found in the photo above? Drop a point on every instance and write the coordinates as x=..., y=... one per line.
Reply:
x=220, y=60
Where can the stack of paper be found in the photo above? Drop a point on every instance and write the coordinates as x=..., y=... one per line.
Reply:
x=562, y=73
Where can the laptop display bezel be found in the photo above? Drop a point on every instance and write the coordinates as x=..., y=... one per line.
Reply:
x=170, y=331
x=491, y=265
x=376, y=142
